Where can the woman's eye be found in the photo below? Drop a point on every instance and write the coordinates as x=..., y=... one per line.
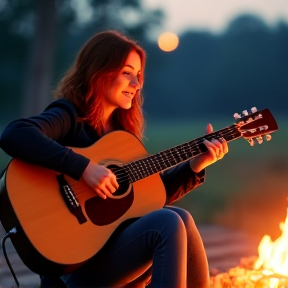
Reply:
x=126, y=73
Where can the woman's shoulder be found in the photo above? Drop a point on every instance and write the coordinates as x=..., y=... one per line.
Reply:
x=67, y=105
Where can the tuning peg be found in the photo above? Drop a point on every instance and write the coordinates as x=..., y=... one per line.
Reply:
x=259, y=139
x=237, y=116
x=268, y=137
x=264, y=127
x=245, y=112
x=251, y=141
x=253, y=109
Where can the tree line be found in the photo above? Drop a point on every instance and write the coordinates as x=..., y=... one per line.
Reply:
x=246, y=65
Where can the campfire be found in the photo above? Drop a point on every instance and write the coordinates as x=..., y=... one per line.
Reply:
x=268, y=270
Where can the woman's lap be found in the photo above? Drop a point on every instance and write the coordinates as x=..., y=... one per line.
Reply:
x=128, y=255
x=158, y=236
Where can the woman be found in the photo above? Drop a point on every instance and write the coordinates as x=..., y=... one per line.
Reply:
x=101, y=93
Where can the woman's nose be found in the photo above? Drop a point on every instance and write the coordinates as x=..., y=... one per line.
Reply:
x=135, y=82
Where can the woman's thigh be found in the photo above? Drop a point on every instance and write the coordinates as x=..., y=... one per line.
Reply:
x=129, y=252
x=197, y=264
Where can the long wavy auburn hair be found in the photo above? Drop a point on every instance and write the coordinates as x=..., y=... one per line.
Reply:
x=96, y=65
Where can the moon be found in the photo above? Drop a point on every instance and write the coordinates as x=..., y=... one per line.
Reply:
x=168, y=41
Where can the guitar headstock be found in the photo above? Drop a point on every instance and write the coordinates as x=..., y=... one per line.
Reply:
x=256, y=124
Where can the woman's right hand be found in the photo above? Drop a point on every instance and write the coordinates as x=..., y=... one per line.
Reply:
x=101, y=179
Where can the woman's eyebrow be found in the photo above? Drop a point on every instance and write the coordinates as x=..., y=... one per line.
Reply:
x=130, y=66
x=127, y=65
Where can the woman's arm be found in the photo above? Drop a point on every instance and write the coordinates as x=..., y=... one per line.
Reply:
x=36, y=139
x=187, y=176
x=180, y=180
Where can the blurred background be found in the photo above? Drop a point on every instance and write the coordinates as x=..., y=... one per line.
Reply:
x=229, y=56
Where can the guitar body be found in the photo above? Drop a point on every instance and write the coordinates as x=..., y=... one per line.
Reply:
x=50, y=240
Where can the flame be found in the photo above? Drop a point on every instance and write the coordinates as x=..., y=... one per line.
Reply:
x=273, y=256
x=270, y=270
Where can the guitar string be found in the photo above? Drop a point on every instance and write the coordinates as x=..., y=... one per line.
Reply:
x=122, y=175
x=169, y=156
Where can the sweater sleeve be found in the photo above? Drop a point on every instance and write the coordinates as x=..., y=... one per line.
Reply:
x=180, y=180
x=36, y=139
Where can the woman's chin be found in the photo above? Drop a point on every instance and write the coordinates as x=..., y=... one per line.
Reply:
x=126, y=106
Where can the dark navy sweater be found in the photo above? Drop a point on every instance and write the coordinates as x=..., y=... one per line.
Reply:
x=45, y=140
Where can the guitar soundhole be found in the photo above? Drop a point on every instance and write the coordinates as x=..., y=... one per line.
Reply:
x=122, y=179
x=105, y=211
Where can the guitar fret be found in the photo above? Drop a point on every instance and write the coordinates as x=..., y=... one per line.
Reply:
x=137, y=171
x=188, y=154
x=131, y=174
x=151, y=165
x=157, y=162
x=145, y=167
x=165, y=159
x=173, y=159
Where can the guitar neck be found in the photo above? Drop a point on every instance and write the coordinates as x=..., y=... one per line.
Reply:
x=155, y=163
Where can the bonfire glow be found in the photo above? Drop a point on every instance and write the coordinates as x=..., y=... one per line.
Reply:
x=273, y=256
x=269, y=270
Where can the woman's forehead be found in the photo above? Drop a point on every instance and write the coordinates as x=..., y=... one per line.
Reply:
x=133, y=61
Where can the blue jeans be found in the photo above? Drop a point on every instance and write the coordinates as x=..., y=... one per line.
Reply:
x=163, y=245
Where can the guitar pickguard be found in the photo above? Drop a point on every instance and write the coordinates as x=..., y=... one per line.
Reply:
x=106, y=211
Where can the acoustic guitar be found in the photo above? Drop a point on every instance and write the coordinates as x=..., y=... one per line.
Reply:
x=61, y=222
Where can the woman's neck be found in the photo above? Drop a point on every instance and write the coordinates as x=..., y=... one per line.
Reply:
x=108, y=128
x=107, y=124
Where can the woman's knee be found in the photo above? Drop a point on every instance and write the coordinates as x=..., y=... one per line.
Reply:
x=184, y=214
x=169, y=221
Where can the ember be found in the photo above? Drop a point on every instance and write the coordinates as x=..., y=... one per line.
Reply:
x=269, y=270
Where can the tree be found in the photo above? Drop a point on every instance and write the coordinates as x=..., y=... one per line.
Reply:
x=46, y=28
x=39, y=71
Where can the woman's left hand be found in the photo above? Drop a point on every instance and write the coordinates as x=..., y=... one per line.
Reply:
x=217, y=148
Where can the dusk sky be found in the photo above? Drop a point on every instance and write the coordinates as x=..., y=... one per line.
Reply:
x=214, y=15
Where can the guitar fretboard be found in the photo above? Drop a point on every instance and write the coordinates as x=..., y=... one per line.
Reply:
x=155, y=163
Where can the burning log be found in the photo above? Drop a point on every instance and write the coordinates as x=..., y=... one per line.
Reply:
x=268, y=270
x=245, y=277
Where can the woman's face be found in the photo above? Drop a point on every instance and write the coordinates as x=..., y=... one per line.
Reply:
x=125, y=85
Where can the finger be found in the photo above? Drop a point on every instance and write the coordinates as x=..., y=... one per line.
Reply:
x=107, y=190
x=209, y=128
x=110, y=188
x=113, y=181
x=209, y=143
x=212, y=153
x=102, y=190
x=218, y=146
x=215, y=145
x=100, y=193
x=225, y=146
x=211, y=149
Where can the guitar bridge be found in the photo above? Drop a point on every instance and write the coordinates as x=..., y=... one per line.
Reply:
x=70, y=199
